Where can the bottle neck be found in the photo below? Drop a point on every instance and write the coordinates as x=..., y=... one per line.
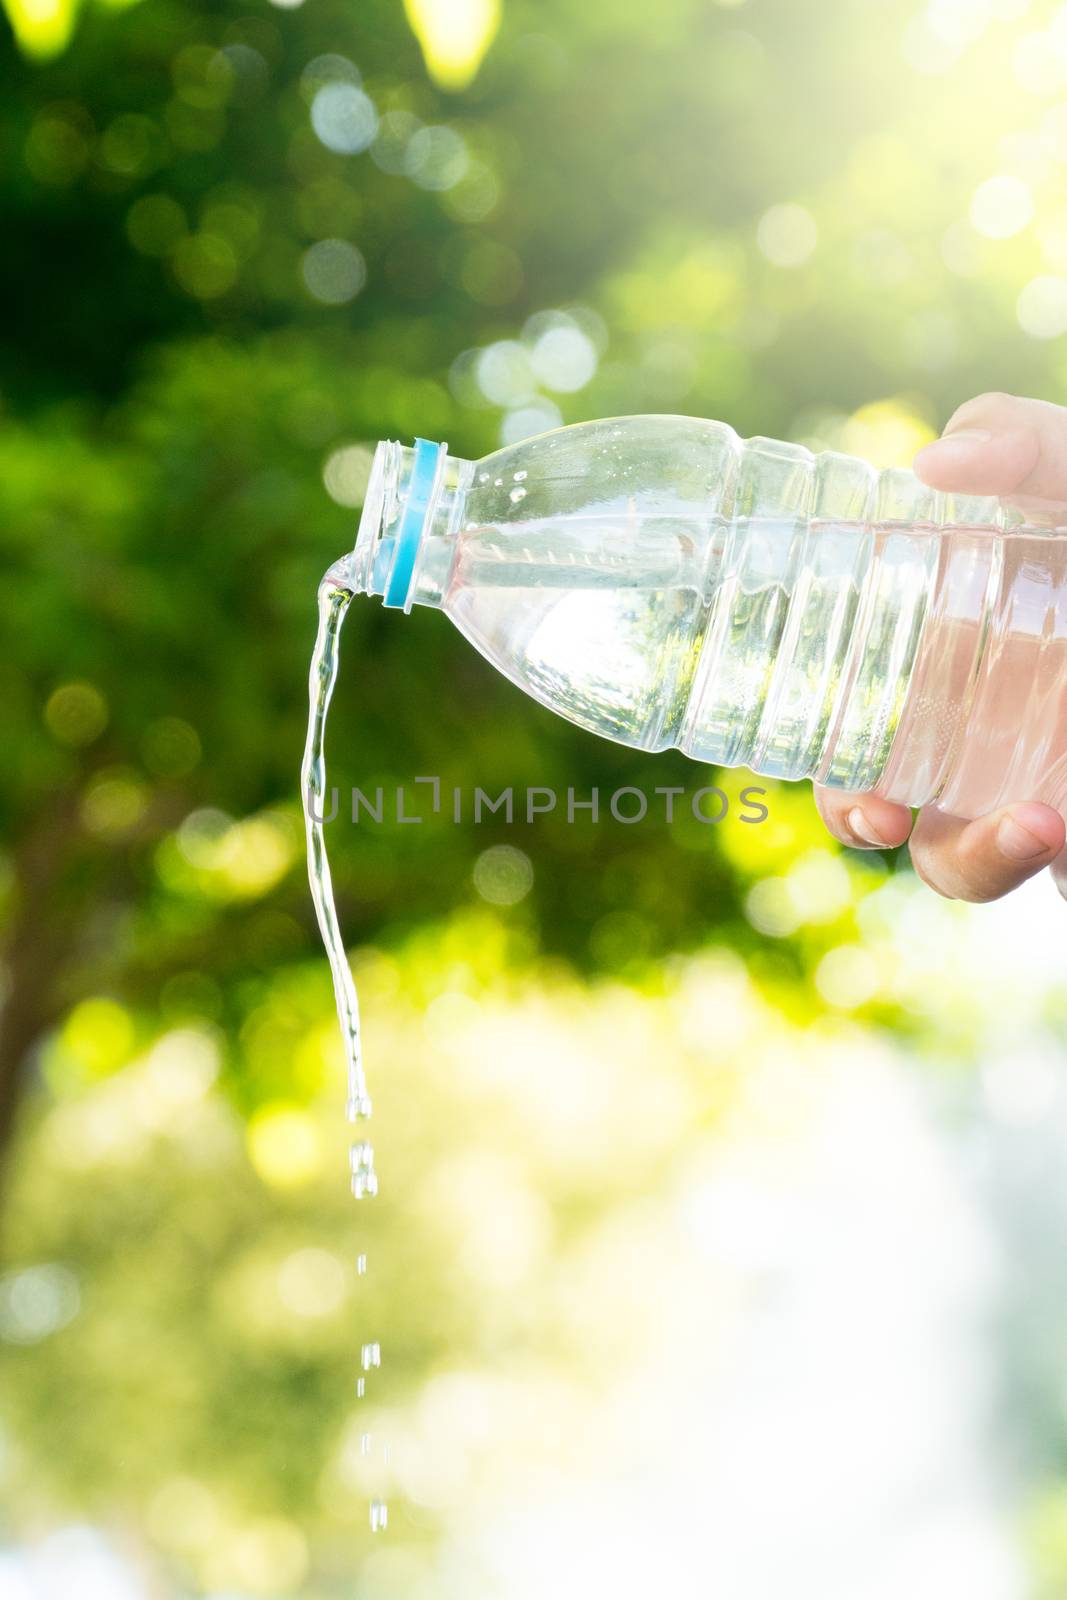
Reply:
x=405, y=546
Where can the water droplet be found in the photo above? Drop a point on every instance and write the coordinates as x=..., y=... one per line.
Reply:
x=516, y=495
x=483, y=477
x=361, y=1388
x=361, y=1265
x=498, y=483
x=370, y=1356
x=364, y=1444
x=379, y=1516
x=364, y=1177
x=520, y=477
x=358, y=1108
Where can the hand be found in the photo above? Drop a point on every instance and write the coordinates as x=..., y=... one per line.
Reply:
x=995, y=445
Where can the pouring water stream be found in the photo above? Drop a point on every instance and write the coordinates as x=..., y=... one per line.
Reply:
x=335, y=594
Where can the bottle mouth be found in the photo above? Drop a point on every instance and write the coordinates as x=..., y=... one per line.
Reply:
x=402, y=495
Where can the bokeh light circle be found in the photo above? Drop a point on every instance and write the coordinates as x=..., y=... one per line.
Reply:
x=503, y=875
x=504, y=373
x=347, y=473
x=564, y=358
x=334, y=271
x=524, y=422
x=344, y=118
x=787, y=235
x=436, y=157
x=1001, y=207
x=1042, y=307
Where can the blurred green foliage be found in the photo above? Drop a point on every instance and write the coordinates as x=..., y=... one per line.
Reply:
x=765, y=212
x=173, y=390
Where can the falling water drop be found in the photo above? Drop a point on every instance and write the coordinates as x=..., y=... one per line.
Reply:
x=379, y=1516
x=364, y=1177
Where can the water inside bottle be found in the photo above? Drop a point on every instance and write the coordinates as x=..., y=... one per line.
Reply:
x=919, y=662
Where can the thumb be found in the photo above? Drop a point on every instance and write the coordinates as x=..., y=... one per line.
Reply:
x=999, y=444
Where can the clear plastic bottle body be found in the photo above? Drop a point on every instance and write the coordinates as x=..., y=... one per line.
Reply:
x=662, y=582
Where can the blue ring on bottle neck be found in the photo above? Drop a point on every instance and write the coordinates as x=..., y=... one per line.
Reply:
x=412, y=521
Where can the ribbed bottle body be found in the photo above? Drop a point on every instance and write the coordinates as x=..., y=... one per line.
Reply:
x=662, y=582
x=871, y=634
x=820, y=612
x=815, y=614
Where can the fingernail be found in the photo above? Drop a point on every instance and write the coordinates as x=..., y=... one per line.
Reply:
x=963, y=442
x=859, y=825
x=1017, y=842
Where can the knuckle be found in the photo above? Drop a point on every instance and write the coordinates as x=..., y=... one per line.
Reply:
x=991, y=401
x=995, y=397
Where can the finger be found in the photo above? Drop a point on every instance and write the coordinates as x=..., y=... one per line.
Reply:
x=1059, y=873
x=985, y=859
x=863, y=820
x=1000, y=444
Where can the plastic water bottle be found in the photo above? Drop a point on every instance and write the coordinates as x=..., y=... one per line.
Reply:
x=662, y=582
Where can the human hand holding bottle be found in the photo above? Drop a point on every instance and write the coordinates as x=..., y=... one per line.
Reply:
x=996, y=444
